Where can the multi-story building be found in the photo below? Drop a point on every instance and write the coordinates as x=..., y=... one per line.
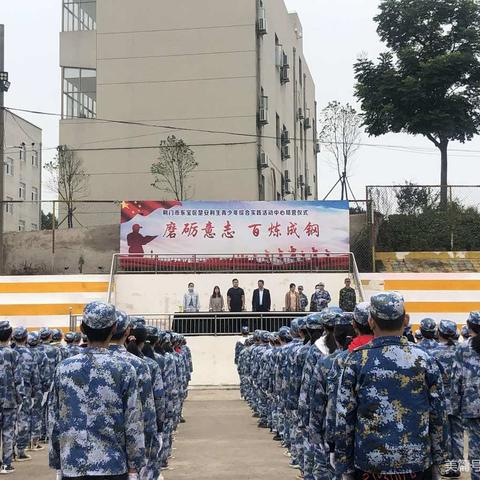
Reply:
x=229, y=77
x=22, y=174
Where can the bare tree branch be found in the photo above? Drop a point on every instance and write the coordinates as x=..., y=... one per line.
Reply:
x=67, y=179
x=175, y=165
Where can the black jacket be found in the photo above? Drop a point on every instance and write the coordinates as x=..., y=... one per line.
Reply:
x=265, y=307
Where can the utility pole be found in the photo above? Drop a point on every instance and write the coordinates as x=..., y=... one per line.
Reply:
x=3, y=87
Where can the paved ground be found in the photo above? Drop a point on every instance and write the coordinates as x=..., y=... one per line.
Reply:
x=221, y=441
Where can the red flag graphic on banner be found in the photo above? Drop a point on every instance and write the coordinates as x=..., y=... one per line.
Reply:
x=131, y=209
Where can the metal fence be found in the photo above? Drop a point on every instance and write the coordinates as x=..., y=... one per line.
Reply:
x=212, y=324
x=407, y=218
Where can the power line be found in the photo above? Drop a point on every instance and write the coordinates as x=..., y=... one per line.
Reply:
x=409, y=149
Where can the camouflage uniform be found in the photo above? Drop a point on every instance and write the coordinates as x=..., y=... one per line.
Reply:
x=465, y=398
x=12, y=397
x=445, y=356
x=44, y=378
x=428, y=325
x=31, y=381
x=391, y=415
x=96, y=422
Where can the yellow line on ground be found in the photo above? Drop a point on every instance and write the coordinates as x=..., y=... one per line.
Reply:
x=442, y=307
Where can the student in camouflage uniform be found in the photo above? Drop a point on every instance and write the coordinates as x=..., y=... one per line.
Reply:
x=391, y=412
x=71, y=348
x=13, y=397
x=41, y=360
x=31, y=382
x=348, y=297
x=445, y=356
x=466, y=388
x=153, y=437
x=96, y=425
x=428, y=329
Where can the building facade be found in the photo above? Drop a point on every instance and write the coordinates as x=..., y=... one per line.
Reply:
x=227, y=76
x=22, y=174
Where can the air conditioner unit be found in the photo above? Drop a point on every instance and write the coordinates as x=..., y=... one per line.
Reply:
x=284, y=77
x=285, y=137
x=263, y=116
x=308, y=191
x=263, y=160
x=285, y=152
x=262, y=25
x=300, y=113
x=307, y=124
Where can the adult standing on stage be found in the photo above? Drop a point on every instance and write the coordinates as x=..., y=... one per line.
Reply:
x=191, y=300
x=236, y=298
x=261, y=301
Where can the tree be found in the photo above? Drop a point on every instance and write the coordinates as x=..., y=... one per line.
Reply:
x=340, y=133
x=174, y=167
x=47, y=221
x=428, y=82
x=415, y=200
x=68, y=179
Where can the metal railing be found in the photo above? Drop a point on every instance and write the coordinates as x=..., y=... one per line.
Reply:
x=232, y=263
x=211, y=323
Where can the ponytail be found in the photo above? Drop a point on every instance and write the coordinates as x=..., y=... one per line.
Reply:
x=148, y=350
x=450, y=339
x=136, y=338
x=476, y=339
x=330, y=342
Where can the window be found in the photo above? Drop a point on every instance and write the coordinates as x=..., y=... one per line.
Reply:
x=300, y=71
x=79, y=93
x=34, y=194
x=34, y=226
x=23, y=152
x=21, y=191
x=279, y=132
x=21, y=225
x=9, y=206
x=9, y=166
x=35, y=158
x=79, y=15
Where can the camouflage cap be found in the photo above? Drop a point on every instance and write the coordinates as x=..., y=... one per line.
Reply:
x=69, y=337
x=474, y=318
x=294, y=329
x=45, y=333
x=362, y=313
x=387, y=306
x=20, y=333
x=57, y=335
x=5, y=325
x=465, y=333
x=447, y=328
x=33, y=339
x=302, y=323
x=99, y=315
x=77, y=336
x=428, y=325
x=314, y=321
x=418, y=335
x=266, y=337
x=285, y=334
x=123, y=322
x=346, y=318
x=330, y=316
x=245, y=330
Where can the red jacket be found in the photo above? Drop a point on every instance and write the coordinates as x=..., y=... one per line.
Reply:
x=359, y=342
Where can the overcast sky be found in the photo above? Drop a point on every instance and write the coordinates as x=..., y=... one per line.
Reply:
x=335, y=32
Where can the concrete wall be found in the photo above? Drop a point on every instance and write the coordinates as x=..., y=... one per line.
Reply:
x=213, y=360
x=164, y=293
x=33, y=252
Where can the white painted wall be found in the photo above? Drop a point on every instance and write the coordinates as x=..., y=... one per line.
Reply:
x=164, y=293
x=213, y=361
